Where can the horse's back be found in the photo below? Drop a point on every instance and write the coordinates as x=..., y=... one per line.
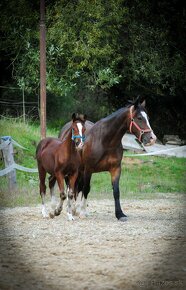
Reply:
x=46, y=144
x=67, y=126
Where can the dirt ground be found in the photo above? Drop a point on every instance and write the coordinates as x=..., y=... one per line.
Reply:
x=99, y=252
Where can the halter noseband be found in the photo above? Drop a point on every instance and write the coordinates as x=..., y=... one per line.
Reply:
x=77, y=136
x=132, y=122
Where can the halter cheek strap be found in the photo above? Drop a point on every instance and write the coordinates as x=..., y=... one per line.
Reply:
x=77, y=136
x=133, y=123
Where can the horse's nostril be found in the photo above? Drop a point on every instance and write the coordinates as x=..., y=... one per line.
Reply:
x=77, y=143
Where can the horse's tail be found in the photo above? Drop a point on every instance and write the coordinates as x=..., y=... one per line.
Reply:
x=38, y=148
x=79, y=182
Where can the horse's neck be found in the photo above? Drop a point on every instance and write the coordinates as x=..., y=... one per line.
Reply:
x=116, y=126
x=70, y=145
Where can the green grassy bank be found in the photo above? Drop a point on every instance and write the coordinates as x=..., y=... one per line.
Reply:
x=142, y=177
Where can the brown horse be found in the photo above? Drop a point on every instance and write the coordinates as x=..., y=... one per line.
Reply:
x=60, y=159
x=103, y=150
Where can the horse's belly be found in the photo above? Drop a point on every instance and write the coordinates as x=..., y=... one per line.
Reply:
x=102, y=159
x=104, y=165
x=71, y=168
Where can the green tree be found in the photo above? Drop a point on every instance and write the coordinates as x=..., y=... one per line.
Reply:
x=84, y=51
x=99, y=54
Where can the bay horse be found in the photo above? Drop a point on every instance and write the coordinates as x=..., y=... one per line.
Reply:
x=61, y=158
x=103, y=150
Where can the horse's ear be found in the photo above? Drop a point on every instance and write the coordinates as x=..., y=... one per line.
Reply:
x=136, y=102
x=132, y=109
x=74, y=116
x=143, y=104
x=84, y=117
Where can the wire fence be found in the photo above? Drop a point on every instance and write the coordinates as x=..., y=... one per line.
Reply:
x=17, y=104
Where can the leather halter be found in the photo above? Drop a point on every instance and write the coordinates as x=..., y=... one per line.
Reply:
x=77, y=136
x=133, y=123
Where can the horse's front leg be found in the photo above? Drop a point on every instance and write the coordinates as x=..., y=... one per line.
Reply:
x=71, y=196
x=115, y=176
x=60, y=180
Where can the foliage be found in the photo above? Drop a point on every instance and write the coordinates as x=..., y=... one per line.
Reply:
x=19, y=21
x=99, y=54
x=149, y=61
x=82, y=51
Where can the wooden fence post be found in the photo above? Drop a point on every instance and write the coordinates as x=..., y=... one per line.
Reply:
x=8, y=156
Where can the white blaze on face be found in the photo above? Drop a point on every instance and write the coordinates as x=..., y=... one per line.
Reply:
x=148, y=124
x=80, y=129
x=147, y=121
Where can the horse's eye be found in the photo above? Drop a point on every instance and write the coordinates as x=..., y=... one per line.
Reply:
x=139, y=118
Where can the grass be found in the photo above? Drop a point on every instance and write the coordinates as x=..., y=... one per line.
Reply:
x=27, y=135
x=145, y=177
x=142, y=177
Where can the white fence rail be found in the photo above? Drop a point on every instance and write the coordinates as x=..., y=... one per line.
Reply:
x=6, y=145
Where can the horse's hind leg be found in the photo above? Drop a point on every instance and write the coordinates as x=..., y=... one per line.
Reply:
x=86, y=190
x=70, y=204
x=78, y=202
x=52, y=181
x=42, y=176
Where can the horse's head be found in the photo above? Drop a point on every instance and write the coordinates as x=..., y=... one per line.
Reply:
x=139, y=124
x=78, y=129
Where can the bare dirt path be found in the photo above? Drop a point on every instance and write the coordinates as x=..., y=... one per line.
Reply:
x=146, y=252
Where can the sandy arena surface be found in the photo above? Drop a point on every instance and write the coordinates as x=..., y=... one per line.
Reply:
x=99, y=252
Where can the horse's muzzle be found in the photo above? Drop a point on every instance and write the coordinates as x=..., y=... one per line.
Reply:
x=149, y=139
x=79, y=146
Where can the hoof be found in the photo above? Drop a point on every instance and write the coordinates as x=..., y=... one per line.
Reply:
x=123, y=219
x=70, y=217
x=45, y=213
x=83, y=215
x=77, y=210
x=46, y=216
x=57, y=212
x=51, y=215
